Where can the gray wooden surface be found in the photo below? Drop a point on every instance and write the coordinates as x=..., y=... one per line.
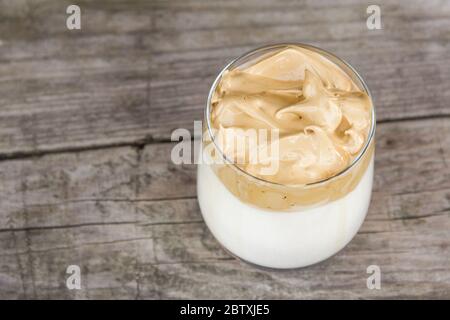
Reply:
x=85, y=170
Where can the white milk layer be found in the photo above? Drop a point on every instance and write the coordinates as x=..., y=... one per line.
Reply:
x=278, y=239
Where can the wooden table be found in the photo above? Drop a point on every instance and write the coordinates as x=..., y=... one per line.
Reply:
x=85, y=123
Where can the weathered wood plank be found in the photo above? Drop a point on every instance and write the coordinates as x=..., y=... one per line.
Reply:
x=62, y=89
x=183, y=261
x=129, y=218
x=137, y=70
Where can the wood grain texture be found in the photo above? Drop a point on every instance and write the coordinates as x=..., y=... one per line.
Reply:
x=62, y=89
x=85, y=170
x=139, y=69
x=129, y=218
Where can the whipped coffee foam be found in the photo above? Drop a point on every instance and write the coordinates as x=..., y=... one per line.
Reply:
x=322, y=117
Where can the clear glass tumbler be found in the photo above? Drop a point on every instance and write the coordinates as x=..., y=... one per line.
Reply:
x=282, y=226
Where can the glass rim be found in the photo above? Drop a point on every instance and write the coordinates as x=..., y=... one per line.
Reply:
x=207, y=114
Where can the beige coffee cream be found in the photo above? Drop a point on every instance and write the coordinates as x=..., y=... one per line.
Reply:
x=321, y=117
x=297, y=193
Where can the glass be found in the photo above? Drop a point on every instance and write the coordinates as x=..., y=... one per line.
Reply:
x=282, y=226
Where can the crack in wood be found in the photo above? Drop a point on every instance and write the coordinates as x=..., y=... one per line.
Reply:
x=203, y=261
x=150, y=140
x=83, y=245
x=37, y=228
